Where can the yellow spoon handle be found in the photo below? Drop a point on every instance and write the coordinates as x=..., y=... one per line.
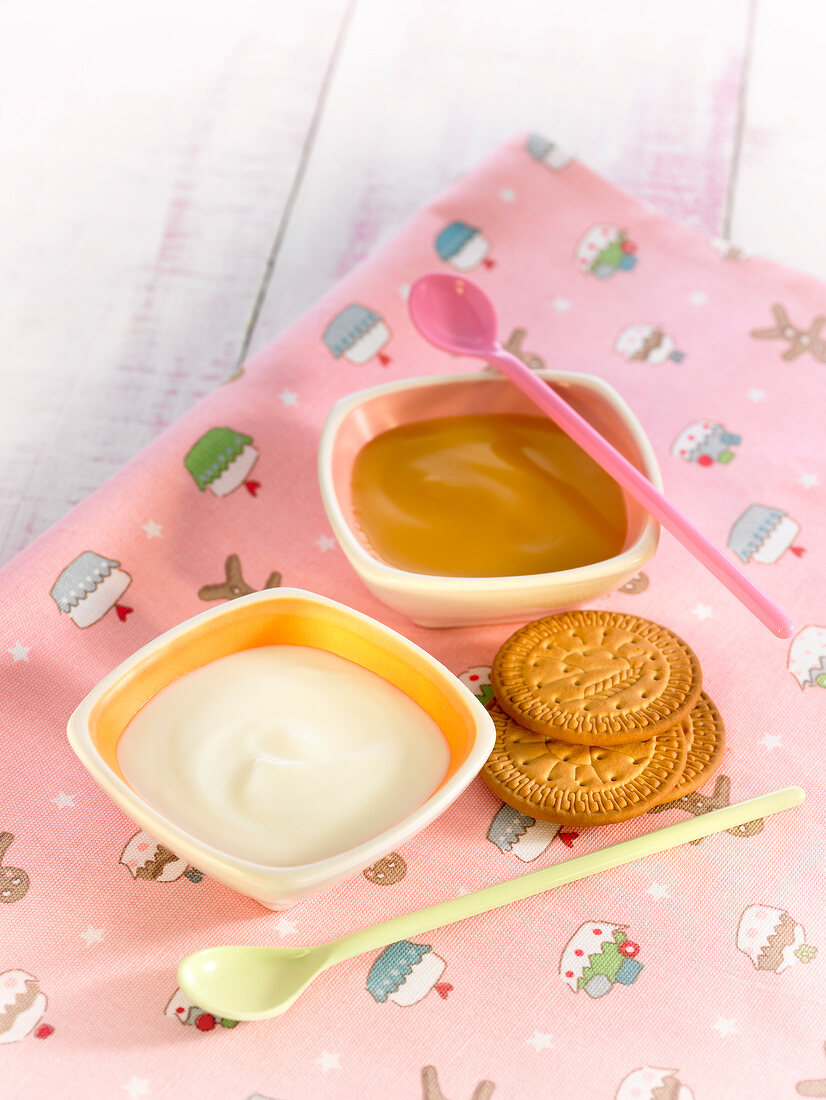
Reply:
x=570, y=870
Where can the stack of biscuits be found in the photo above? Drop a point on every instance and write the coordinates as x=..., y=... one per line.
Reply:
x=599, y=718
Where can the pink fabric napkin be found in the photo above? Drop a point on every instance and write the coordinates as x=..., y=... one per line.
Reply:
x=722, y=359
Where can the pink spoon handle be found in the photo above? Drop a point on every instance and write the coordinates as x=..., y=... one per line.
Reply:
x=640, y=487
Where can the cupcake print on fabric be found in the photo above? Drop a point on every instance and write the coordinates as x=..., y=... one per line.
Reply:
x=807, y=657
x=605, y=250
x=183, y=1010
x=150, y=861
x=705, y=442
x=463, y=246
x=90, y=586
x=547, y=153
x=405, y=973
x=357, y=334
x=477, y=679
x=764, y=534
x=644, y=343
x=22, y=1004
x=651, y=1083
x=522, y=836
x=773, y=939
x=222, y=461
x=14, y=882
x=599, y=956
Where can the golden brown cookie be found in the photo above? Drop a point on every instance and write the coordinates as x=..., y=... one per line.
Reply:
x=706, y=742
x=596, y=677
x=581, y=784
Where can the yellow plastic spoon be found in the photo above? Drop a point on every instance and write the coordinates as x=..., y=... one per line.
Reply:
x=251, y=983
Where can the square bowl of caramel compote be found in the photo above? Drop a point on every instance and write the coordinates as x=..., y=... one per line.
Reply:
x=458, y=502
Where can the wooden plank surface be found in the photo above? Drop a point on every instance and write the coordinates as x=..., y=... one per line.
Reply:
x=424, y=90
x=167, y=170
x=149, y=156
x=781, y=177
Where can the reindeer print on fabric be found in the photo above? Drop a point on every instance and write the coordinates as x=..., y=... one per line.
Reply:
x=432, y=1091
x=812, y=1087
x=800, y=341
x=697, y=803
x=387, y=871
x=234, y=585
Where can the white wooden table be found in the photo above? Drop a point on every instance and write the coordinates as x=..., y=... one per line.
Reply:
x=179, y=181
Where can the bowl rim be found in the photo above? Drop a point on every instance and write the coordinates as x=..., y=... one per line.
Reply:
x=390, y=577
x=293, y=876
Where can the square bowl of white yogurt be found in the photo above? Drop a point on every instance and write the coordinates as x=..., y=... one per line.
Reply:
x=281, y=742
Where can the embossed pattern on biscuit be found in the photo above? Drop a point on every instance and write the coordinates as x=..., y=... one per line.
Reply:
x=596, y=677
x=581, y=784
x=706, y=744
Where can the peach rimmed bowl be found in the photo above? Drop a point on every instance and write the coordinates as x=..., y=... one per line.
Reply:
x=440, y=601
x=279, y=616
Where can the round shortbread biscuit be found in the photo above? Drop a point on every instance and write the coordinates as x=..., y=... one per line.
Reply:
x=706, y=744
x=581, y=785
x=596, y=677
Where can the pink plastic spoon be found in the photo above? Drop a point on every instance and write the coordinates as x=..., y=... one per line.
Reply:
x=457, y=316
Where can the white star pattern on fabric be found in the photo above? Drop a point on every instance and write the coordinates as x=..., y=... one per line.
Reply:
x=327, y=1061
x=703, y=611
x=288, y=397
x=561, y=305
x=725, y=1027
x=325, y=543
x=658, y=891
x=63, y=800
x=137, y=1086
x=540, y=1040
x=771, y=741
x=808, y=481
x=285, y=927
x=153, y=530
x=507, y=194
x=698, y=297
x=757, y=395
x=404, y=290
x=92, y=935
x=19, y=651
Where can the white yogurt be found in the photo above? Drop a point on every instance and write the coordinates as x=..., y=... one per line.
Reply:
x=283, y=754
